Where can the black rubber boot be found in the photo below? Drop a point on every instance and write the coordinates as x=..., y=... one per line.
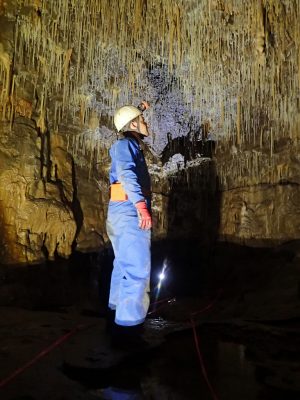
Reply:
x=128, y=337
x=110, y=320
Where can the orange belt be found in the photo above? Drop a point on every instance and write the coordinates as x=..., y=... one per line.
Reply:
x=117, y=193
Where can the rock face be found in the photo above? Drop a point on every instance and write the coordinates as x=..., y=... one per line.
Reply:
x=223, y=80
x=258, y=214
x=36, y=221
x=260, y=207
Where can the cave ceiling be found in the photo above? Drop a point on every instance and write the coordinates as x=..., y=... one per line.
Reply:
x=202, y=63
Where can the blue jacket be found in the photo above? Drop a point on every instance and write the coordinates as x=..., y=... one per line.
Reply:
x=129, y=167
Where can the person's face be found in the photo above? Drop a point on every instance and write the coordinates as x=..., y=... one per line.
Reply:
x=143, y=126
x=140, y=126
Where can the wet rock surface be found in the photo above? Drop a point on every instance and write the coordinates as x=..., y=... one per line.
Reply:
x=242, y=359
x=241, y=309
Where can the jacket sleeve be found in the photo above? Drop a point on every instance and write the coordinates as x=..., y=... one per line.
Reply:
x=125, y=158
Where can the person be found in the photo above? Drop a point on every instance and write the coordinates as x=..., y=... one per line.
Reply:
x=129, y=224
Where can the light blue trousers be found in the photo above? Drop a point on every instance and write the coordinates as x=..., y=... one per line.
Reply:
x=129, y=288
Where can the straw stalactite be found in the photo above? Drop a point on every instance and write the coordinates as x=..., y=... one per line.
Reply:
x=235, y=66
x=221, y=71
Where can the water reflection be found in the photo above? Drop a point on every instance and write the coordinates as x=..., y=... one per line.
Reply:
x=113, y=393
x=173, y=371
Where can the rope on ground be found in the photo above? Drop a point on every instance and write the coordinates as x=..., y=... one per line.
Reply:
x=164, y=303
x=42, y=354
x=203, y=369
x=78, y=328
x=196, y=340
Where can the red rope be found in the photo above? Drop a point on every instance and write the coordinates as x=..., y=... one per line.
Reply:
x=63, y=338
x=196, y=340
x=163, y=301
x=210, y=305
x=203, y=369
x=40, y=355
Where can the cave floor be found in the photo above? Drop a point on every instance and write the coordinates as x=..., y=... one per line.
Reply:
x=244, y=305
x=243, y=359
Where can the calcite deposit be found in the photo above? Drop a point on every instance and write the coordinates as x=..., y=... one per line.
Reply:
x=223, y=81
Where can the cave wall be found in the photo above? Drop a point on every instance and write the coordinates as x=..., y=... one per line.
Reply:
x=260, y=193
x=219, y=74
x=34, y=219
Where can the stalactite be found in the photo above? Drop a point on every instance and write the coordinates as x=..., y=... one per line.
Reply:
x=237, y=66
x=5, y=77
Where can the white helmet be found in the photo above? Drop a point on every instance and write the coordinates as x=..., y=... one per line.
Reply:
x=124, y=115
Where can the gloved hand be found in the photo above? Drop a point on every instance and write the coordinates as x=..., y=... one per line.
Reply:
x=145, y=220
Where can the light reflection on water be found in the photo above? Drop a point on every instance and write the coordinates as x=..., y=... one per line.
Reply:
x=112, y=393
x=175, y=374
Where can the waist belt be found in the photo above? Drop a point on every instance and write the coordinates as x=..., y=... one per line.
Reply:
x=117, y=192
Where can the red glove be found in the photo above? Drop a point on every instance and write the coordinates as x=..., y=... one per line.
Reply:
x=145, y=220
